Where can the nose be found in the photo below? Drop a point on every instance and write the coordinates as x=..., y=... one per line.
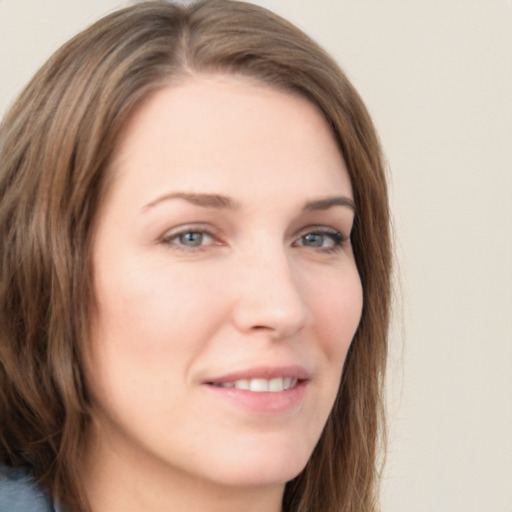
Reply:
x=269, y=299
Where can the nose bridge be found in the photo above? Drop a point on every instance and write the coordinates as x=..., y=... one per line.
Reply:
x=270, y=298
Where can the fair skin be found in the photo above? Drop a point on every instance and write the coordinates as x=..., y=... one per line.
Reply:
x=222, y=261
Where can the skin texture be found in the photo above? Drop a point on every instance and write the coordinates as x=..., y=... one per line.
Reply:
x=189, y=293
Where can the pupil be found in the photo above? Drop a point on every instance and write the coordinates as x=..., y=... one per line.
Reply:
x=314, y=240
x=192, y=238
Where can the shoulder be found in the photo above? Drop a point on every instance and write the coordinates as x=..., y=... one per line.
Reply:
x=20, y=493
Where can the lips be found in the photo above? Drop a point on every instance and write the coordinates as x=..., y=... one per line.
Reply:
x=261, y=379
x=264, y=389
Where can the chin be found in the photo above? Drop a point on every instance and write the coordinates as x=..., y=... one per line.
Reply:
x=261, y=467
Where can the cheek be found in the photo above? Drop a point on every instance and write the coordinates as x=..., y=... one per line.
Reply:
x=151, y=324
x=336, y=307
x=335, y=304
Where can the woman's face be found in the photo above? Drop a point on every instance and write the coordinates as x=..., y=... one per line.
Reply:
x=226, y=286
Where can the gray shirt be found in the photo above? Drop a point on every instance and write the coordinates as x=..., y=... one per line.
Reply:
x=19, y=492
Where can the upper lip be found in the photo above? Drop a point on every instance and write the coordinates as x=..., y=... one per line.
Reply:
x=263, y=372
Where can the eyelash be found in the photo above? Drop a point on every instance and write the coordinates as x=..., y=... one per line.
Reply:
x=169, y=239
x=337, y=238
x=175, y=239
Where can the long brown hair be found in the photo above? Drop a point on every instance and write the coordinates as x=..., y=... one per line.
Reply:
x=55, y=146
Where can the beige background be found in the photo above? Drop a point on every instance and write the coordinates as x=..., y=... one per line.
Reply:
x=437, y=77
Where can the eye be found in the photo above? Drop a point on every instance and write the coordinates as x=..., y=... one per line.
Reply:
x=188, y=239
x=322, y=238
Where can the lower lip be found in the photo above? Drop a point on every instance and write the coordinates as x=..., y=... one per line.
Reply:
x=265, y=402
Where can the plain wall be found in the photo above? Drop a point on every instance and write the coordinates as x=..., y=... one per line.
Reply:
x=437, y=78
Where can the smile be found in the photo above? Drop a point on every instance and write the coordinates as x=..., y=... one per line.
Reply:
x=259, y=385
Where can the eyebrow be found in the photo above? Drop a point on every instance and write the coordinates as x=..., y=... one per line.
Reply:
x=329, y=202
x=215, y=201
x=218, y=201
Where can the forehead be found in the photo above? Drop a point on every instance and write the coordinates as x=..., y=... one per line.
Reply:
x=197, y=133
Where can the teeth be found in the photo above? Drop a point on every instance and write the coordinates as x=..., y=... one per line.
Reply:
x=242, y=384
x=227, y=384
x=258, y=385
x=261, y=385
x=276, y=384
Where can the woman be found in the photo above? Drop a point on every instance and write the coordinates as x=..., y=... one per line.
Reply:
x=195, y=271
